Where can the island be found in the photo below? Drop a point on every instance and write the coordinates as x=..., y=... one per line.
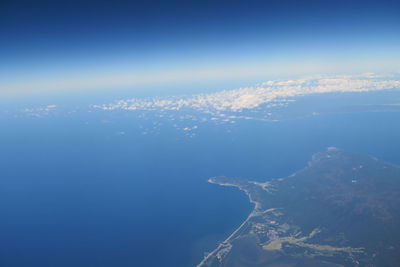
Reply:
x=343, y=209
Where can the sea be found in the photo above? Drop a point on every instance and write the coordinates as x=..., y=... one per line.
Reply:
x=81, y=188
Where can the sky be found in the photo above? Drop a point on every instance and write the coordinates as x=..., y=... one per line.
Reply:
x=62, y=46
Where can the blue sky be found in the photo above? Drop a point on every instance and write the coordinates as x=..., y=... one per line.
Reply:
x=51, y=46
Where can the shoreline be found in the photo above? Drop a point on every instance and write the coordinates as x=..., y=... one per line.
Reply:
x=225, y=245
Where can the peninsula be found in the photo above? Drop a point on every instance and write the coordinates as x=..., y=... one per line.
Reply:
x=343, y=209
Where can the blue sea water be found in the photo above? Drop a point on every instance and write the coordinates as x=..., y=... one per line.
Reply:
x=85, y=190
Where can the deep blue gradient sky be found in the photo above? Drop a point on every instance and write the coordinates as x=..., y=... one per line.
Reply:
x=66, y=45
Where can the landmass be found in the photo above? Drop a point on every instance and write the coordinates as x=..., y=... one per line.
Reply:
x=343, y=209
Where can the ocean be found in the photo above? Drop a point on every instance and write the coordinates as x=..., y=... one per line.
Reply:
x=89, y=189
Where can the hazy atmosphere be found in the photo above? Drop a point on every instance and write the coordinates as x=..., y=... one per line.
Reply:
x=199, y=133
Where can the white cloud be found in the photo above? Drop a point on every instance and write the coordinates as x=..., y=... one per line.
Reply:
x=45, y=109
x=261, y=102
x=252, y=97
x=270, y=94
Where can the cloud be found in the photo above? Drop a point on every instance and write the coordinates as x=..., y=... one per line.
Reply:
x=271, y=93
x=45, y=109
x=40, y=111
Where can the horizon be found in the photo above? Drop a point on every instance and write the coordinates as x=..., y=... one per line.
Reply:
x=93, y=46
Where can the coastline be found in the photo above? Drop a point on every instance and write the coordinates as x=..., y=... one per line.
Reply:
x=225, y=245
